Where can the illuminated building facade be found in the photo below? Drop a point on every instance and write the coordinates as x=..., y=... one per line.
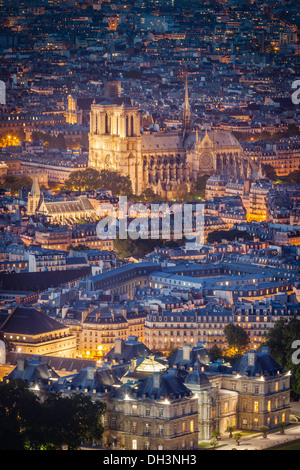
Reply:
x=165, y=162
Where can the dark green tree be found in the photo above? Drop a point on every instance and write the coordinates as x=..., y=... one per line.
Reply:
x=215, y=352
x=128, y=247
x=230, y=235
x=28, y=424
x=85, y=180
x=236, y=337
x=91, y=179
x=270, y=171
x=292, y=178
x=14, y=183
x=141, y=247
x=149, y=196
x=282, y=343
x=116, y=183
x=200, y=185
x=19, y=410
x=73, y=420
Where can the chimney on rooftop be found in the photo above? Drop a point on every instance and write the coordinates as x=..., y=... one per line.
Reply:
x=186, y=352
x=251, y=357
x=118, y=345
x=21, y=364
x=133, y=364
x=156, y=380
x=90, y=373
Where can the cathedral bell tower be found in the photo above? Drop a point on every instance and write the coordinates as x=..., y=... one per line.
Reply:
x=115, y=141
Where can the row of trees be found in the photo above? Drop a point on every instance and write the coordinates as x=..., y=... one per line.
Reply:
x=291, y=179
x=50, y=140
x=283, y=341
x=14, y=183
x=229, y=235
x=59, y=422
x=91, y=179
x=140, y=247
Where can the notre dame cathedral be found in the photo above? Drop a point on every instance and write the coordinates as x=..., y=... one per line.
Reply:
x=167, y=162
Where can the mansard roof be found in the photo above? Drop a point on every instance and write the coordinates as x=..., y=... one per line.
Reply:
x=28, y=321
x=95, y=379
x=186, y=357
x=33, y=371
x=130, y=349
x=255, y=363
x=163, y=385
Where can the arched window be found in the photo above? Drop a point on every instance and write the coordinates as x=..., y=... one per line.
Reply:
x=131, y=125
x=106, y=124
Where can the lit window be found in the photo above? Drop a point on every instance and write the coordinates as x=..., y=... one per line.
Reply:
x=269, y=405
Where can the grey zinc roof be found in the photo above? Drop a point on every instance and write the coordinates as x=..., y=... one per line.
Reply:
x=55, y=362
x=263, y=364
x=130, y=349
x=168, y=385
x=32, y=371
x=196, y=355
x=97, y=379
x=29, y=321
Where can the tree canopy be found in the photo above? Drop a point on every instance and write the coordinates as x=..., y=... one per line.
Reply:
x=14, y=183
x=281, y=341
x=230, y=235
x=91, y=179
x=200, y=184
x=270, y=171
x=236, y=337
x=292, y=178
x=50, y=140
x=29, y=424
x=141, y=247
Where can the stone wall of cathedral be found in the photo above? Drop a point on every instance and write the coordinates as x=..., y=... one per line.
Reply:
x=165, y=161
x=115, y=141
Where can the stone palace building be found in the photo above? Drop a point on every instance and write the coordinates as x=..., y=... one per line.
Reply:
x=159, y=404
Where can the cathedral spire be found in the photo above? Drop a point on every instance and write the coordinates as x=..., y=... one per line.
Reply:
x=186, y=115
x=34, y=197
x=35, y=189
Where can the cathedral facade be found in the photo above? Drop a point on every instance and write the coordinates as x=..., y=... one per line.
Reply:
x=163, y=161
